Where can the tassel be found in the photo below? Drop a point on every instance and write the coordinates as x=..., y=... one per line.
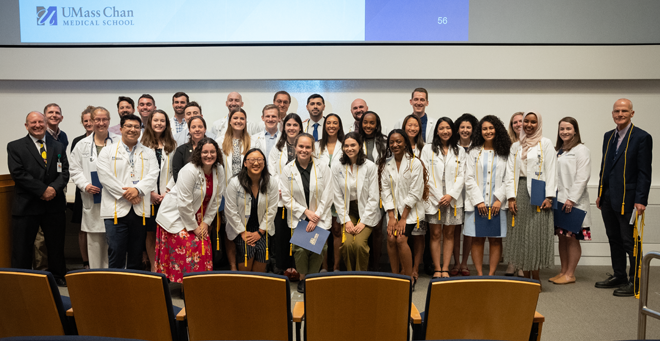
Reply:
x=266, y=245
x=202, y=240
x=489, y=213
x=380, y=205
x=454, y=211
x=418, y=222
x=343, y=234
x=144, y=220
x=622, y=206
x=282, y=213
x=538, y=208
x=291, y=246
x=513, y=220
x=152, y=210
x=115, y=217
x=439, y=214
x=217, y=233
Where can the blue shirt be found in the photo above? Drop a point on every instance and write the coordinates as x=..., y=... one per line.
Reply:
x=424, y=120
x=271, y=140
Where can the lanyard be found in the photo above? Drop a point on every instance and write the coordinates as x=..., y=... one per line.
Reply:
x=144, y=220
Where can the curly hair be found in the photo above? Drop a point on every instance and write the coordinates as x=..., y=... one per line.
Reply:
x=244, y=177
x=379, y=139
x=419, y=142
x=361, y=156
x=196, y=157
x=501, y=142
x=467, y=118
x=453, y=140
x=409, y=150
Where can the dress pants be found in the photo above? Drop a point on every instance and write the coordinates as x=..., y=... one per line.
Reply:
x=40, y=261
x=620, y=236
x=308, y=262
x=355, y=249
x=24, y=232
x=97, y=250
x=128, y=236
x=282, y=238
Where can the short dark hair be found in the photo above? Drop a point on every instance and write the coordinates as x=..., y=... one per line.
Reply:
x=361, y=157
x=315, y=96
x=179, y=94
x=196, y=157
x=244, y=179
x=147, y=96
x=126, y=99
x=129, y=117
x=282, y=92
x=193, y=104
x=422, y=90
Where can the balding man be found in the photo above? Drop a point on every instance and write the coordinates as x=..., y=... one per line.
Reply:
x=234, y=102
x=40, y=171
x=358, y=108
x=625, y=181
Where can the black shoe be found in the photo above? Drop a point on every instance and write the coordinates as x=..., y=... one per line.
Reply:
x=612, y=282
x=625, y=291
x=61, y=282
x=301, y=287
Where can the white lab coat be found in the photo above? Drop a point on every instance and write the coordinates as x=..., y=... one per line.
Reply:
x=219, y=127
x=237, y=209
x=165, y=172
x=430, y=126
x=408, y=182
x=325, y=157
x=475, y=189
x=276, y=162
x=115, y=159
x=534, y=158
x=573, y=173
x=367, y=192
x=435, y=166
x=320, y=193
x=308, y=127
x=179, y=207
x=226, y=159
x=81, y=164
x=374, y=151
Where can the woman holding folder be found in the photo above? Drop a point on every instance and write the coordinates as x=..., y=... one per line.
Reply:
x=355, y=184
x=531, y=188
x=82, y=166
x=251, y=205
x=307, y=195
x=573, y=173
x=486, y=191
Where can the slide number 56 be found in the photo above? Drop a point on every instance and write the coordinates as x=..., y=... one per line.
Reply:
x=442, y=20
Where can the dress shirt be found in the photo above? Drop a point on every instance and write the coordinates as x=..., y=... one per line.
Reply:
x=622, y=133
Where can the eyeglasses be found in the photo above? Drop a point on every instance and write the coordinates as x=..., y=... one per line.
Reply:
x=101, y=120
x=255, y=161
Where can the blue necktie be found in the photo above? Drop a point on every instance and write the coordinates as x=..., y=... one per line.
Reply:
x=316, y=132
x=616, y=142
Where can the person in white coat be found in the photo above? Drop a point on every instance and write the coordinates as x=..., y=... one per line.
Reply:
x=486, y=189
x=419, y=101
x=283, y=153
x=268, y=137
x=530, y=242
x=356, y=195
x=403, y=189
x=251, y=205
x=307, y=194
x=158, y=136
x=573, y=173
x=128, y=172
x=328, y=150
x=445, y=161
x=82, y=164
x=187, y=213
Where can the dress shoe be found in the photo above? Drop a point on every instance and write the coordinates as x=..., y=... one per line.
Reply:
x=553, y=279
x=301, y=287
x=564, y=280
x=612, y=282
x=61, y=282
x=625, y=291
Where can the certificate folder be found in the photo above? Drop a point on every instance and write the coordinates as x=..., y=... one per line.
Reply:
x=97, y=183
x=538, y=192
x=312, y=241
x=570, y=221
x=485, y=227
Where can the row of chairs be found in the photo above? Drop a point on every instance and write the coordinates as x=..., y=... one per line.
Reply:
x=251, y=306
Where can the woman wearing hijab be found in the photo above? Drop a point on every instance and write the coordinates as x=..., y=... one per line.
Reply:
x=530, y=244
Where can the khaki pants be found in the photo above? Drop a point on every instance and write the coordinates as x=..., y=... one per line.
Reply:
x=307, y=262
x=40, y=261
x=355, y=248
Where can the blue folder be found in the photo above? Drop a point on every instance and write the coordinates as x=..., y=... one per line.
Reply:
x=538, y=192
x=222, y=205
x=570, y=221
x=312, y=241
x=97, y=183
x=485, y=227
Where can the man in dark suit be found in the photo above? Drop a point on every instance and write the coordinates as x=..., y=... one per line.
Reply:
x=40, y=171
x=625, y=181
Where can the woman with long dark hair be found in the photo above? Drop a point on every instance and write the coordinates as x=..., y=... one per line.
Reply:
x=197, y=131
x=251, y=205
x=486, y=188
x=444, y=209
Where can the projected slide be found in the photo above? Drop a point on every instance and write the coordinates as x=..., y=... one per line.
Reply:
x=246, y=21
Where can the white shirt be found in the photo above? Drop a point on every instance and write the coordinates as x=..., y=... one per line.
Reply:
x=364, y=189
x=43, y=139
x=573, y=174
x=238, y=208
x=320, y=193
x=541, y=165
x=308, y=127
x=404, y=187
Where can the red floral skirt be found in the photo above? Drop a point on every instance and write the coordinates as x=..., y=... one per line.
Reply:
x=182, y=253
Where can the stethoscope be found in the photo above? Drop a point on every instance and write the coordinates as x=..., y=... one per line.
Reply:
x=92, y=153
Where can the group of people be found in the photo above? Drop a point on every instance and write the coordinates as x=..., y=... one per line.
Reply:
x=174, y=187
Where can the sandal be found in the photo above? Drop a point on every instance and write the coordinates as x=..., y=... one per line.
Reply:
x=465, y=272
x=453, y=272
x=434, y=276
x=445, y=272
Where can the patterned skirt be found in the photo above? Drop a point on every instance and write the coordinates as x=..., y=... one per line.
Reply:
x=530, y=243
x=182, y=253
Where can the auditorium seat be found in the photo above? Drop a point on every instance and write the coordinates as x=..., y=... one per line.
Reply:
x=494, y=308
x=357, y=306
x=236, y=305
x=31, y=304
x=123, y=304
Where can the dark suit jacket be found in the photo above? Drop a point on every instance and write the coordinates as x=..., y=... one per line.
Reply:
x=181, y=157
x=638, y=169
x=32, y=176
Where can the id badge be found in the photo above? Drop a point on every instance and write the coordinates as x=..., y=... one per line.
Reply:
x=92, y=166
x=59, y=167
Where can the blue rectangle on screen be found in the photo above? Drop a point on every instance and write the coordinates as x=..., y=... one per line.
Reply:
x=485, y=227
x=416, y=20
x=312, y=241
x=97, y=183
x=538, y=192
x=571, y=221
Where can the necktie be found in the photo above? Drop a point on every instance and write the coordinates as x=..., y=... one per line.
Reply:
x=616, y=141
x=42, y=149
x=316, y=132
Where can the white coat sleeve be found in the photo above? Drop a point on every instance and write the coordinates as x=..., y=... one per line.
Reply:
x=386, y=190
x=325, y=202
x=235, y=224
x=185, y=197
x=148, y=182
x=550, y=165
x=582, y=175
x=371, y=209
x=338, y=191
x=416, y=185
x=472, y=190
x=500, y=191
x=457, y=187
x=76, y=169
x=106, y=174
x=214, y=203
x=510, y=177
x=273, y=194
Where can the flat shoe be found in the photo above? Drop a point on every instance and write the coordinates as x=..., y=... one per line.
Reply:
x=553, y=279
x=564, y=280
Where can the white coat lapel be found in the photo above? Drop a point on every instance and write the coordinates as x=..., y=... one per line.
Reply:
x=360, y=178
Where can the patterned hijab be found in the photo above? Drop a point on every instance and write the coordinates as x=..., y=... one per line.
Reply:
x=527, y=141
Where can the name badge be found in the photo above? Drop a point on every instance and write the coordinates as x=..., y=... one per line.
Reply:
x=538, y=173
x=135, y=182
x=59, y=167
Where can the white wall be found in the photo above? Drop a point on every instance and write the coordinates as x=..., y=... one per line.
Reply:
x=556, y=81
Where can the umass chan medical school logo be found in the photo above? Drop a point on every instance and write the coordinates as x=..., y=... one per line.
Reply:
x=47, y=15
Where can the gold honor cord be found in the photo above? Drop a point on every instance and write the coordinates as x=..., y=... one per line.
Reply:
x=217, y=216
x=625, y=160
x=455, y=177
x=167, y=179
x=538, y=208
x=637, y=234
x=396, y=211
x=201, y=190
x=116, y=151
x=434, y=183
x=283, y=208
x=411, y=163
x=245, y=199
x=347, y=195
x=513, y=216
x=144, y=222
x=380, y=200
x=490, y=197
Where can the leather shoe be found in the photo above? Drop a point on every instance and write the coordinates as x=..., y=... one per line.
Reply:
x=625, y=291
x=61, y=282
x=301, y=287
x=612, y=282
